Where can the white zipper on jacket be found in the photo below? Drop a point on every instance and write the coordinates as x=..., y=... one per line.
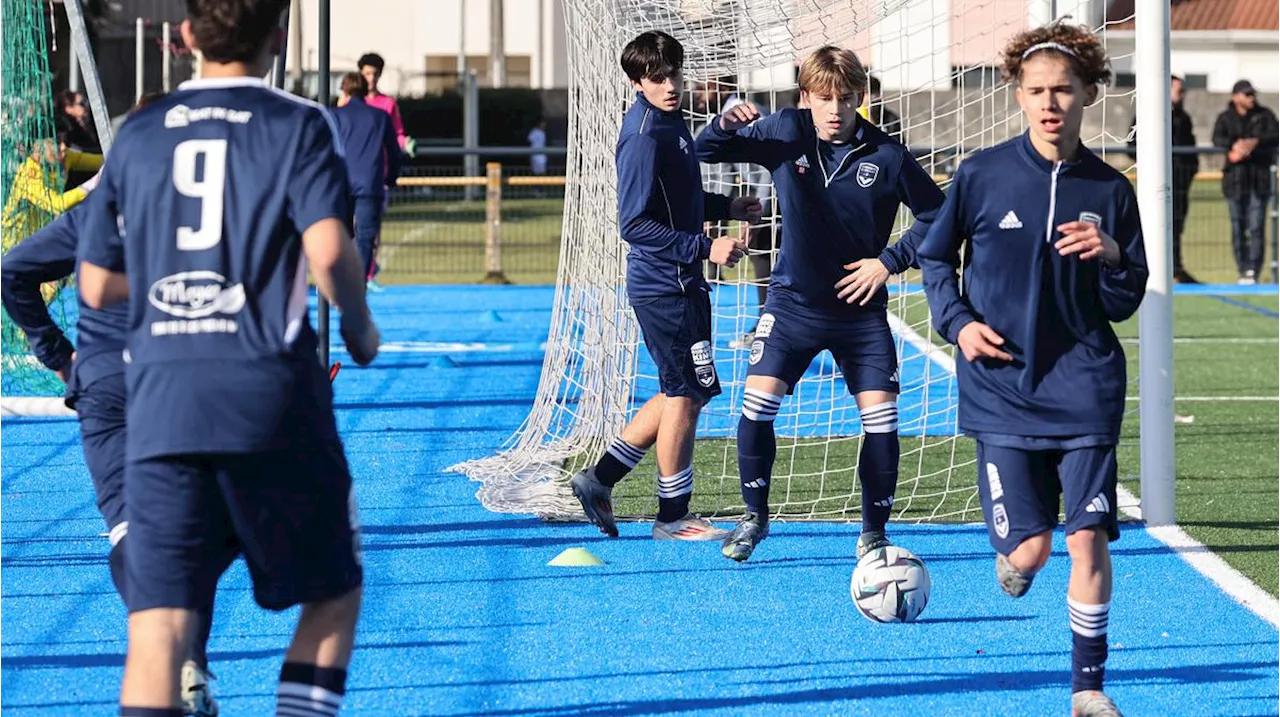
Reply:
x=1053, y=202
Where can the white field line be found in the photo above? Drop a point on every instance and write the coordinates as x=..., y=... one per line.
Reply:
x=1200, y=558
x=1216, y=399
x=1210, y=340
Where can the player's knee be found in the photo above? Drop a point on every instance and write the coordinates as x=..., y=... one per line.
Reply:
x=1088, y=545
x=1031, y=554
x=335, y=616
x=687, y=406
x=159, y=634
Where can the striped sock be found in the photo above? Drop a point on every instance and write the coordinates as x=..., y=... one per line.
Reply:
x=878, y=464
x=309, y=690
x=619, y=460
x=674, y=493
x=757, y=448
x=1088, y=644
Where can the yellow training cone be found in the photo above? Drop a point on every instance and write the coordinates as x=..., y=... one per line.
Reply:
x=575, y=558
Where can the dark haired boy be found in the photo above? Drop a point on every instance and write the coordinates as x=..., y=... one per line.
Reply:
x=215, y=202
x=661, y=209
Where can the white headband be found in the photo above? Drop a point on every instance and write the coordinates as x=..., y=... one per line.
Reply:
x=1048, y=46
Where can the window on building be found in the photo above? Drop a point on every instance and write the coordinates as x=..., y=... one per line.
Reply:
x=442, y=71
x=1195, y=82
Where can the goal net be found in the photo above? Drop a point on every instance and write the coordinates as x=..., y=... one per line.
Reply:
x=30, y=177
x=936, y=62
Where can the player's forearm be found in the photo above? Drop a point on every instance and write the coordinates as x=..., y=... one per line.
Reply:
x=663, y=242
x=718, y=145
x=942, y=289
x=336, y=266
x=25, y=305
x=1123, y=287
x=101, y=287
x=715, y=207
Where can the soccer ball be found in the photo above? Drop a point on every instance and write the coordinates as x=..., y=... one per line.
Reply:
x=890, y=584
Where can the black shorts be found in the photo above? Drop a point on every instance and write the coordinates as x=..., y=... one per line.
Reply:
x=787, y=342
x=1019, y=490
x=677, y=332
x=291, y=514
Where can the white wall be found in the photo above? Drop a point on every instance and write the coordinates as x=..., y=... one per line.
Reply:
x=911, y=47
x=404, y=32
x=1223, y=57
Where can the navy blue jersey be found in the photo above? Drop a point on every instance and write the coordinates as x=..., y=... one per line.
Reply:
x=838, y=205
x=369, y=146
x=1067, y=377
x=202, y=204
x=661, y=204
x=50, y=255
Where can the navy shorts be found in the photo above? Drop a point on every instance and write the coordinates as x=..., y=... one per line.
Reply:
x=786, y=343
x=677, y=332
x=1019, y=490
x=100, y=406
x=291, y=514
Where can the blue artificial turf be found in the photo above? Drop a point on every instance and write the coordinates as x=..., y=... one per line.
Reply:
x=463, y=616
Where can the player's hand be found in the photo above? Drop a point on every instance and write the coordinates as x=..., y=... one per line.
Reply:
x=977, y=340
x=361, y=337
x=746, y=209
x=867, y=276
x=1087, y=241
x=726, y=251
x=739, y=116
x=65, y=372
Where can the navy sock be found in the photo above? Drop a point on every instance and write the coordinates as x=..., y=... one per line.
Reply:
x=619, y=460
x=309, y=690
x=1088, y=644
x=674, y=493
x=878, y=464
x=757, y=448
x=151, y=711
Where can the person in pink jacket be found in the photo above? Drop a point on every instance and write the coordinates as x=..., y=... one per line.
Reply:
x=371, y=65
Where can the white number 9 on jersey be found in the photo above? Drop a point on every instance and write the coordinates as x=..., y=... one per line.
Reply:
x=207, y=189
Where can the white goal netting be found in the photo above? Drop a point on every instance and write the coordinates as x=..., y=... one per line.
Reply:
x=936, y=62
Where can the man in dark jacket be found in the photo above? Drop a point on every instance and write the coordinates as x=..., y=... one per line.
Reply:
x=372, y=154
x=1248, y=132
x=1185, y=167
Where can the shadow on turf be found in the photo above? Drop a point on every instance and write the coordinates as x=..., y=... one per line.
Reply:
x=30, y=662
x=969, y=684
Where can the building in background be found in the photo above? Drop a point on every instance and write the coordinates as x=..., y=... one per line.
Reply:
x=1213, y=42
x=425, y=41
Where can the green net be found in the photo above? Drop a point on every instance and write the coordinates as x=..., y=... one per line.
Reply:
x=30, y=176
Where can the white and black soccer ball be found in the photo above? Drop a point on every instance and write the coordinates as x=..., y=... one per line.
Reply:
x=890, y=584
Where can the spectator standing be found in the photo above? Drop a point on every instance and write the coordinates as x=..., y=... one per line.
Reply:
x=1248, y=132
x=1185, y=166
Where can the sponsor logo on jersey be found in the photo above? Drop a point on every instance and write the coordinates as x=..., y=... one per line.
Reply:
x=180, y=116
x=196, y=294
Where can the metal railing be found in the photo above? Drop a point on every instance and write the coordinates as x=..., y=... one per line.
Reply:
x=505, y=226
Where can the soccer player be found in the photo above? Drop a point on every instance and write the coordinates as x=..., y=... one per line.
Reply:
x=1054, y=257
x=373, y=162
x=661, y=208
x=839, y=181
x=94, y=373
x=213, y=205
x=371, y=65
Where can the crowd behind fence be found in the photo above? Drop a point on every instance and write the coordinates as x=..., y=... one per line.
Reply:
x=505, y=226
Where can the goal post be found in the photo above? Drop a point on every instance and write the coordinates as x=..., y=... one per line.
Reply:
x=1155, y=353
x=936, y=61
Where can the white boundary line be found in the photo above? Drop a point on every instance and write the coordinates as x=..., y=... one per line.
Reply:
x=1212, y=399
x=1204, y=561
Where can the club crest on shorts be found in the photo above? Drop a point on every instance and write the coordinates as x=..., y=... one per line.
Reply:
x=757, y=350
x=706, y=375
x=867, y=173
x=1000, y=520
x=1091, y=218
x=765, y=326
